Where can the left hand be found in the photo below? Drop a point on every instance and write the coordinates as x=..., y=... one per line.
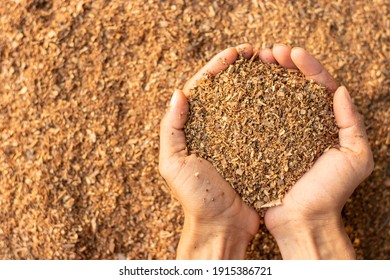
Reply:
x=308, y=224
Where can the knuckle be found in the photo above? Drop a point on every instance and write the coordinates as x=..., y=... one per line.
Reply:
x=163, y=169
x=170, y=168
x=360, y=119
x=367, y=160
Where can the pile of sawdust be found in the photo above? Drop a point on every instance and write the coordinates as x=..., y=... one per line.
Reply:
x=261, y=126
x=83, y=87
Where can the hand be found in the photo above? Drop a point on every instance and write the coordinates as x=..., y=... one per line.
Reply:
x=217, y=224
x=308, y=224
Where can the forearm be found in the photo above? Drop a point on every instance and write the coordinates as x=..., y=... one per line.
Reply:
x=327, y=240
x=210, y=242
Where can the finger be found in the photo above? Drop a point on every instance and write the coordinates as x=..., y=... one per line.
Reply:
x=219, y=63
x=172, y=138
x=266, y=56
x=246, y=50
x=282, y=54
x=352, y=132
x=312, y=68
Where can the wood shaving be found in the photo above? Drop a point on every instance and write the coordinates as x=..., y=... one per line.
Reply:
x=110, y=67
x=248, y=122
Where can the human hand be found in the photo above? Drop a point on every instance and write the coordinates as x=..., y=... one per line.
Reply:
x=217, y=224
x=308, y=224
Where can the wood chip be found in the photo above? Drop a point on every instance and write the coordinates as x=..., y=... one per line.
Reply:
x=109, y=67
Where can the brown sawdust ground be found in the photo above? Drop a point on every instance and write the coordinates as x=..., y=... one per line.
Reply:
x=84, y=84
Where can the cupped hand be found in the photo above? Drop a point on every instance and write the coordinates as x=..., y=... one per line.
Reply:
x=311, y=210
x=218, y=224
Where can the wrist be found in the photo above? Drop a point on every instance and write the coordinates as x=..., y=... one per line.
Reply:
x=314, y=239
x=211, y=241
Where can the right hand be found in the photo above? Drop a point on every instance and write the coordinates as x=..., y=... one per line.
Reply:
x=217, y=222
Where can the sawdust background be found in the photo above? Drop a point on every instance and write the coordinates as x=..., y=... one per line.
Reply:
x=84, y=84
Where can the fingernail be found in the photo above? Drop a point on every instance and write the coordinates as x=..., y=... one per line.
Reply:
x=174, y=98
x=297, y=48
x=345, y=91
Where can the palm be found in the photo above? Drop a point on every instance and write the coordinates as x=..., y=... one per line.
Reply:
x=320, y=191
x=203, y=192
x=331, y=191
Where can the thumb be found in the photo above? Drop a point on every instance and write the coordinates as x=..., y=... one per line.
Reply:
x=172, y=138
x=352, y=133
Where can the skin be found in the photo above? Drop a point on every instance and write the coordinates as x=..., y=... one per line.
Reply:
x=308, y=225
